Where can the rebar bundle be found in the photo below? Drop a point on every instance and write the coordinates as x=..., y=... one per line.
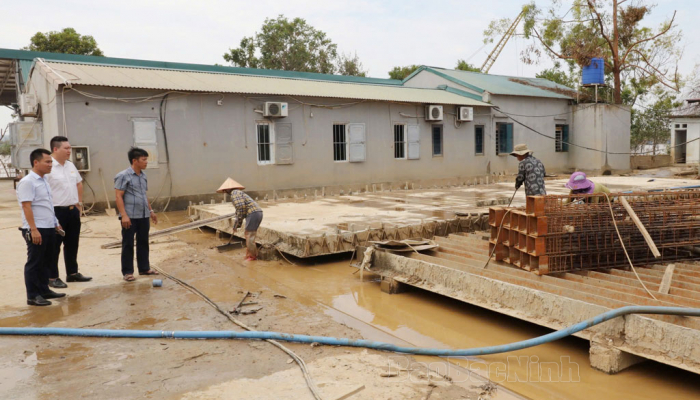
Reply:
x=567, y=233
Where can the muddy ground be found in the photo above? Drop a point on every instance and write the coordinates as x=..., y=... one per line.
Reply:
x=95, y=368
x=321, y=297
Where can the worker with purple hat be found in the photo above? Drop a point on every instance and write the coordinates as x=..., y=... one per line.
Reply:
x=580, y=184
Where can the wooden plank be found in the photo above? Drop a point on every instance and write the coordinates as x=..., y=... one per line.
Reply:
x=666, y=280
x=176, y=229
x=640, y=226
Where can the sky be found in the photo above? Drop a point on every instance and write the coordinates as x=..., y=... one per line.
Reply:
x=384, y=34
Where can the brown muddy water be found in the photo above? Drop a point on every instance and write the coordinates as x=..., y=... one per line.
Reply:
x=423, y=319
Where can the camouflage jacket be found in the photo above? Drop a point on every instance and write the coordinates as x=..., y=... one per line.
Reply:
x=531, y=173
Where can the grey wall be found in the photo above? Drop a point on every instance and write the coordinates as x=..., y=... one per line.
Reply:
x=601, y=126
x=543, y=115
x=208, y=142
x=425, y=79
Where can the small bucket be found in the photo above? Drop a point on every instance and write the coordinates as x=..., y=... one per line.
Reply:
x=157, y=282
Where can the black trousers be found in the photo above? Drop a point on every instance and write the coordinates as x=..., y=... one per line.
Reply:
x=70, y=221
x=39, y=258
x=140, y=228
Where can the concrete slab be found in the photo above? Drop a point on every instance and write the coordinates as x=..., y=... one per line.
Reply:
x=556, y=303
x=317, y=223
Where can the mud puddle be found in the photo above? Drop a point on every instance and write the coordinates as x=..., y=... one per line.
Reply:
x=427, y=320
x=419, y=318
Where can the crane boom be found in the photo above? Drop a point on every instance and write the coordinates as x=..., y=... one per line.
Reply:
x=501, y=44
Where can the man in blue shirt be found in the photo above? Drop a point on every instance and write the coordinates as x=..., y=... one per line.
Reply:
x=131, y=186
x=39, y=227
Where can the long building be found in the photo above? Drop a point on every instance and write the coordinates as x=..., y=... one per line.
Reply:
x=281, y=130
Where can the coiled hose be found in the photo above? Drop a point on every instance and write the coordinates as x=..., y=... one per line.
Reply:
x=153, y=334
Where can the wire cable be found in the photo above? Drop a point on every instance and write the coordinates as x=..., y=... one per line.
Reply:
x=169, y=177
x=612, y=214
x=579, y=146
x=94, y=197
x=307, y=376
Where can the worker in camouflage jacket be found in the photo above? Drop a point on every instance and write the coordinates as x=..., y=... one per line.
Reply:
x=530, y=171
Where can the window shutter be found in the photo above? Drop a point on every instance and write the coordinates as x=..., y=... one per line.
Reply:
x=502, y=138
x=145, y=138
x=356, y=142
x=413, y=141
x=565, y=138
x=509, y=138
x=284, y=151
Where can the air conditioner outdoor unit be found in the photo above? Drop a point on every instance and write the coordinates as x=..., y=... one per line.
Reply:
x=27, y=104
x=433, y=113
x=465, y=114
x=275, y=109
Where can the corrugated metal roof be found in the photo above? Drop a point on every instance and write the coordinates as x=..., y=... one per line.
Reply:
x=193, y=81
x=691, y=110
x=505, y=85
x=130, y=62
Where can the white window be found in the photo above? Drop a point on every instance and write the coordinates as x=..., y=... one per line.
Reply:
x=400, y=141
x=266, y=143
x=340, y=143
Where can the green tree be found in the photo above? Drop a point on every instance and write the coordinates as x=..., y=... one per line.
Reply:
x=67, y=41
x=560, y=76
x=652, y=124
x=349, y=64
x=5, y=148
x=293, y=45
x=401, y=73
x=609, y=29
x=465, y=66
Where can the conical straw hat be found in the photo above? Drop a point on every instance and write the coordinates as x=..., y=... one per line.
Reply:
x=520, y=150
x=229, y=184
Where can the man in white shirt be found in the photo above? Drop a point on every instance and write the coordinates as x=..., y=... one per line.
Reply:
x=39, y=227
x=67, y=193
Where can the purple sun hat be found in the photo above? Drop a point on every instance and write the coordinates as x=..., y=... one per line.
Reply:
x=578, y=181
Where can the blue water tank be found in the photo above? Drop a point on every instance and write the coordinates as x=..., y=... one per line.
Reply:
x=594, y=73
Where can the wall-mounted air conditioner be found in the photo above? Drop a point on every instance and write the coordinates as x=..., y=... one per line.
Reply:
x=433, y=113
x=27, y=105
x=465, y=114
x=275, y=109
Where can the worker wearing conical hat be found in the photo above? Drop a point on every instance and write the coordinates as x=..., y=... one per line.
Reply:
x=530, y=171
x=248, y=209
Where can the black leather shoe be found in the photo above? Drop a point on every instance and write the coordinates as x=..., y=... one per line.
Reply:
x=78, y=277
x=38, y=301
x=57, y=283
x=53, y=295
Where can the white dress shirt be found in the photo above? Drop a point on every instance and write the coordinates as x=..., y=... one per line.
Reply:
x=35, y=189
x=63, y=180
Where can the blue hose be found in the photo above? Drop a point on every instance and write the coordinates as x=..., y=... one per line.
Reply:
x=112, y=333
